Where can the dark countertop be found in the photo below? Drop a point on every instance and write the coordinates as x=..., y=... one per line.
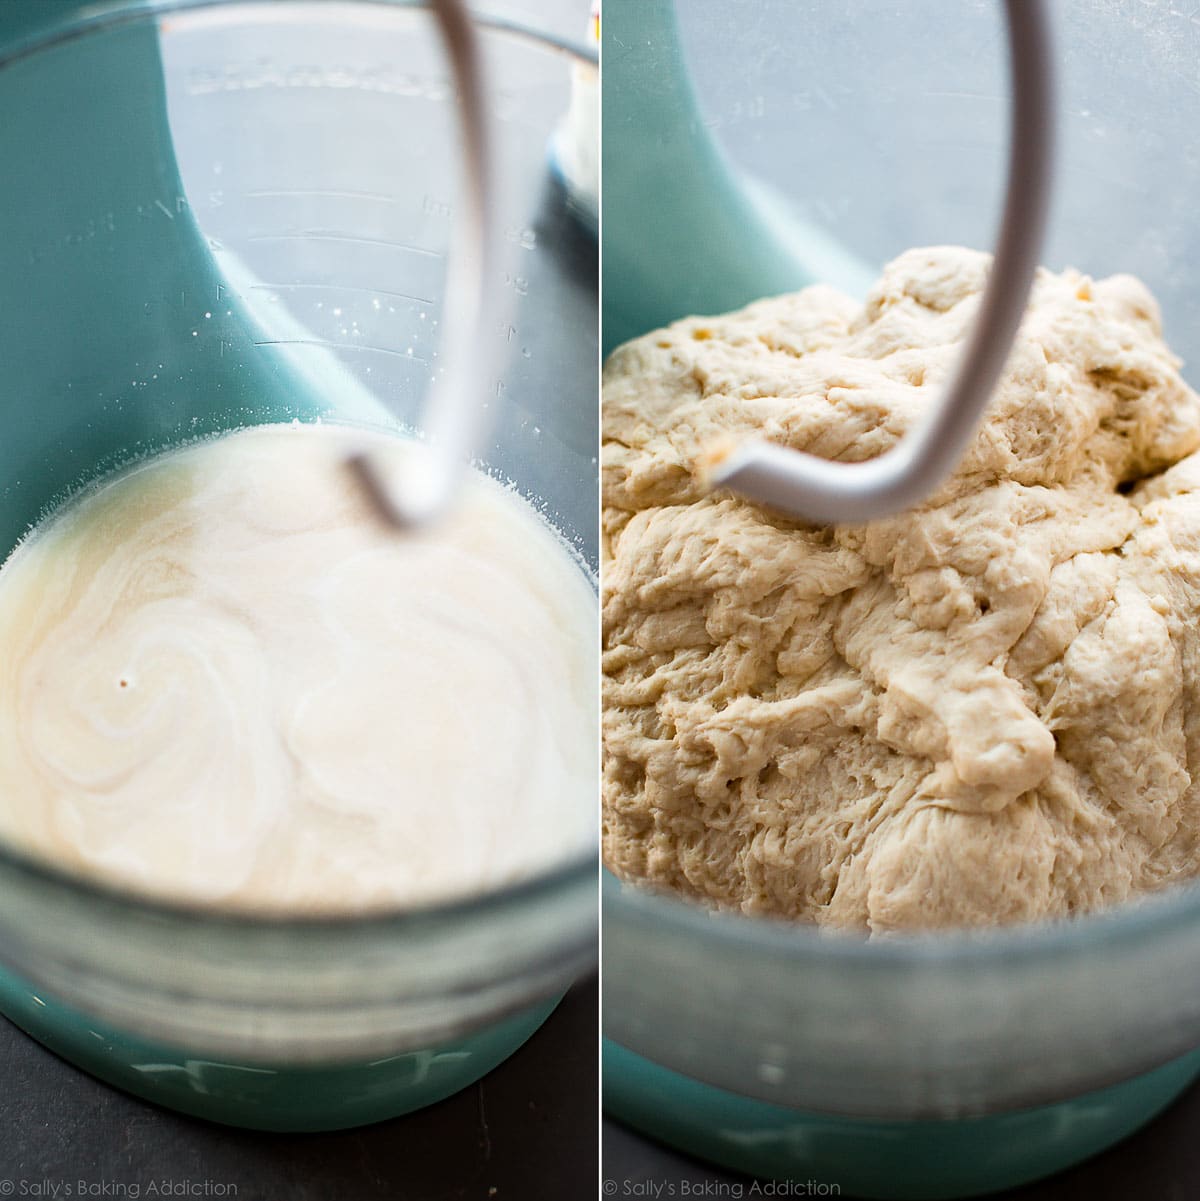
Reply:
x=1161, y=1162
x=526, y=1132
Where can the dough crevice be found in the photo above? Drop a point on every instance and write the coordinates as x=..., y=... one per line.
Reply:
x=980, y=711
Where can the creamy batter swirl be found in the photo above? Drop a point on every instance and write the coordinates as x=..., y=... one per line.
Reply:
x=223, y=681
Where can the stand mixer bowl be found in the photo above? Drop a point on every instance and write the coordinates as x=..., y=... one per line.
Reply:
x=221, y=215
x=959, y=1063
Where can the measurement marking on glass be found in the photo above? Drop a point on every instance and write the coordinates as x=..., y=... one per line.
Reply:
x=318, y=235
x=333, y=194
x=341, y=288
x=400, y=354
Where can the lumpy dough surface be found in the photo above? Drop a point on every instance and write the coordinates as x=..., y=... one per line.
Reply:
x=982, y=711
x=225, y=681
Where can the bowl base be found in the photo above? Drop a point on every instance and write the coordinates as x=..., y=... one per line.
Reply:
x=894, y=1160
x=264, y=1096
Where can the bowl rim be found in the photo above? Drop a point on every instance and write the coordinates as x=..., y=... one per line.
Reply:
x=1174, y=910
x=102, y=15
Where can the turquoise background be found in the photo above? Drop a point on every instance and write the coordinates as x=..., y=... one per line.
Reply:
x=107, y=352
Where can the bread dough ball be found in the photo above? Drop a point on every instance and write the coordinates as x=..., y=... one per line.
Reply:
x=984, y=710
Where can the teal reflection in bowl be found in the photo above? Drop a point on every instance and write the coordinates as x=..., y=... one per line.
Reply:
x=927, y=1065
x=264, y=1096
x=897, y=1160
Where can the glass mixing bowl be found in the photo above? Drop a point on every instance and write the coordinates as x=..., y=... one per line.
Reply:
x=930, y=1066
x=218, y=215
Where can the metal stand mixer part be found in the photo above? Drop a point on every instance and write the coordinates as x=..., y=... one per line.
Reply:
x=826, y=491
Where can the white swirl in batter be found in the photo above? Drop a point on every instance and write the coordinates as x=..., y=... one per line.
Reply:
x=225, y=682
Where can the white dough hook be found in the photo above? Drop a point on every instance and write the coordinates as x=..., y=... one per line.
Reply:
x=826, y=491
x=456, y=415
